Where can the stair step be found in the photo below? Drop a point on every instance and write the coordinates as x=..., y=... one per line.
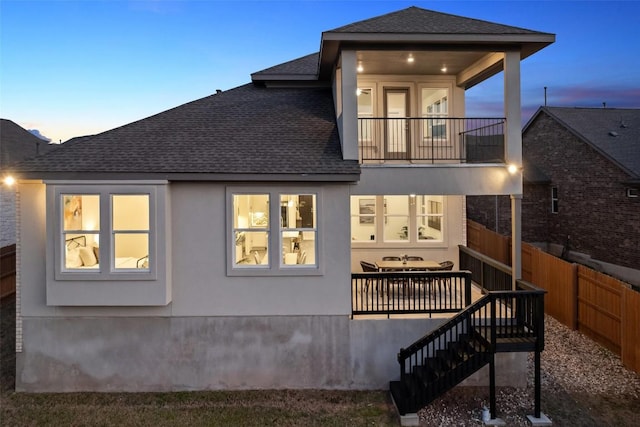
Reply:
x=405, y=401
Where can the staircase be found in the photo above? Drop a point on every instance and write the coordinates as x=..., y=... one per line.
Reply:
x=503, y=321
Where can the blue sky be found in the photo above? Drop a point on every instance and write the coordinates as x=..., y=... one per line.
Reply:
x=70, y=68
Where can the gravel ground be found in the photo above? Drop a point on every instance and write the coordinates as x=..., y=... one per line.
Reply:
x=583, y=384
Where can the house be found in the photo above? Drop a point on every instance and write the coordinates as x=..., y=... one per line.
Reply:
x=213, y=245
x=16, y=144
x=581, y=186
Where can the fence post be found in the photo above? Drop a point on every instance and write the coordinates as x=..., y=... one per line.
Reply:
x=574, y=296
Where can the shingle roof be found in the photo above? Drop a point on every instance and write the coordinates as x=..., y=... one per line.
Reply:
x=304, y=67
x=419, y=21
x=17, y=143
x=246, y=130
x=613, y=132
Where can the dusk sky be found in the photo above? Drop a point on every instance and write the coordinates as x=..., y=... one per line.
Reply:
x=72, y=68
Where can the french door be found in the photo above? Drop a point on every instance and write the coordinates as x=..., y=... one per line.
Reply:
x=396, y=129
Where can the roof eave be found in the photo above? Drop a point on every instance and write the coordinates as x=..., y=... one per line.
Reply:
x=331, y=43
x=200, y=177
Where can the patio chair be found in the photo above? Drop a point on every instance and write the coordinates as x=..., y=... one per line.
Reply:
x=414, y=258
x=368, y=267
x=391, y=258
x=444, y=266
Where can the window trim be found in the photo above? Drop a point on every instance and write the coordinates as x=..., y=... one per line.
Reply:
x=413, y=239
x=555, y=200
x=106, y=270
x=274, y=267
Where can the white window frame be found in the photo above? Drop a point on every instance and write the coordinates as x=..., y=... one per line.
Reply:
x=413, y=226
x=555, y=200
x=106, y=270
x=275, y=266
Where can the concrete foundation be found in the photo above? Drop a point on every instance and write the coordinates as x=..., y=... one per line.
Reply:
x=212, y=353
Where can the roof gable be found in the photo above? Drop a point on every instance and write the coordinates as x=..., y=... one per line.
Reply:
x=304, y=68
x=613, y=132
x=415, y=20
x=17, y=143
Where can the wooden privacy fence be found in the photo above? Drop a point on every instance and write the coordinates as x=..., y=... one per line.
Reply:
x=600, y=306
x=7, y=270
x=485, y=241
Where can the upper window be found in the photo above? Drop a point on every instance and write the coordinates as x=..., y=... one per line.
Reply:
x=274, y=232
x=397, y=218
x=104, y=232
x=435, y=109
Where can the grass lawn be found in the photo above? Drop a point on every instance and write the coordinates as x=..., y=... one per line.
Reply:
x=244, y=408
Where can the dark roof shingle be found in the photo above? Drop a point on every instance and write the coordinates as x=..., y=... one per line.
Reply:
x=246, y=130
x=17, y=143
x=613, y=132
x=415, y=20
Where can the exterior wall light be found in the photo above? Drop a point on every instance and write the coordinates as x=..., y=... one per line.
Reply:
x=9, y=180
x=513, y=168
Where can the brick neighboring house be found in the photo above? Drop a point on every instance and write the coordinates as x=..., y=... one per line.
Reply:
x=581, y=186
x=16, y=144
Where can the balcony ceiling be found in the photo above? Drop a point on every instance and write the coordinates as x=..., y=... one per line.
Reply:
x=425, y=63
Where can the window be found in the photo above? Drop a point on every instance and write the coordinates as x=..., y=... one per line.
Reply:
x=429, y=217
x=273, y=232
x=363, y=218
x=103, y=232
x=251, y=227
x=106, y=244
x=554, y=199
x=435, y=109
x=366, y=122
x=397, y=218
x=298, y=229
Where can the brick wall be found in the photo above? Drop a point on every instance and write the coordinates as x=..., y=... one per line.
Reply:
x=594, y=210
x=7, y=216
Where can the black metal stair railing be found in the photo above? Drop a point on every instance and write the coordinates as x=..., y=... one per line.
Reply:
x=499, y=322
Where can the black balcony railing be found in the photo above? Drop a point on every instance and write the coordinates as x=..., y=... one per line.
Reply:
x=432, y=139
x=410, y=292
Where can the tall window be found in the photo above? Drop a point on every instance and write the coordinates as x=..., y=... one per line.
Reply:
x=396, y=219
x=81, y=230
x=363, y=218
x=130, y=229
x=429, y=212
x=435, y=109
x=366, y=140
x=251, y=228
x=554, y=199
x=298, y=229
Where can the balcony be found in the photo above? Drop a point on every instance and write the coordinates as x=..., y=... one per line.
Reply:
x=431, y=140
